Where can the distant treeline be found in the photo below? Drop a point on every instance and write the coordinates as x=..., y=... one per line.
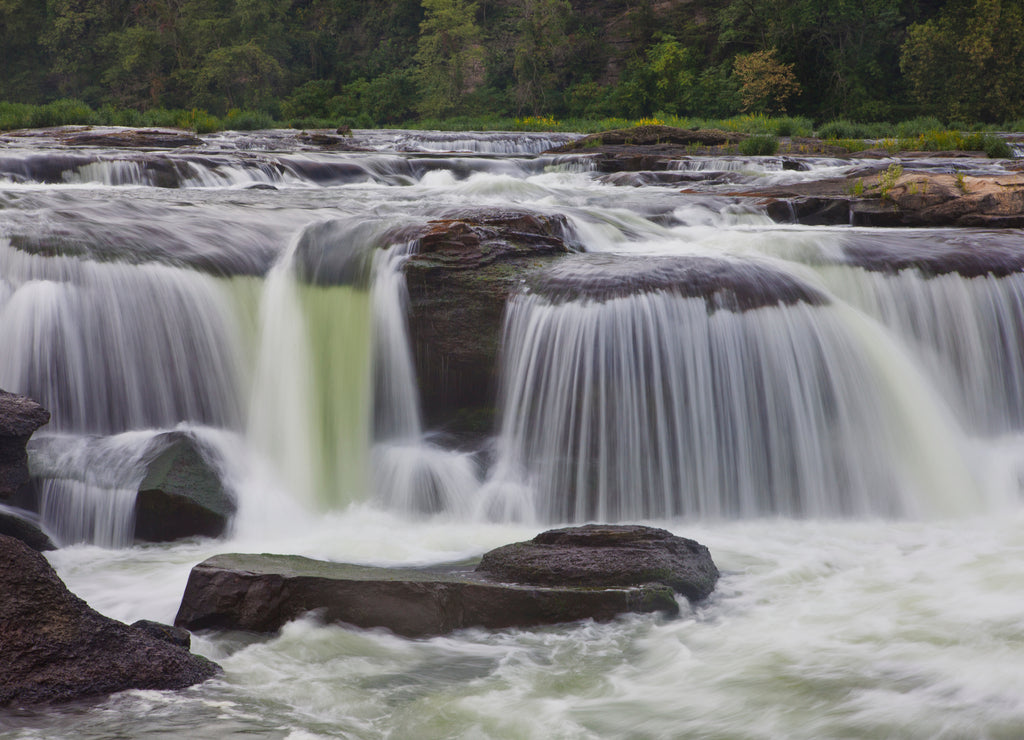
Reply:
x=380, y=62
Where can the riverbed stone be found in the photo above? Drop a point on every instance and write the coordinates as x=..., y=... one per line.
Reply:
x=20, y=416
x=601, y=555
x=24, y=525
x=182, y=494
x=464, y=267
x=55, y=648
x=596, y=572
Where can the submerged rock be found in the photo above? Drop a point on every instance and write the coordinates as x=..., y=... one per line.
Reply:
x=464, y=268
x=55, y=648
x=20, y=416
x=181, y=494
x=595, y=572
x=602, y=555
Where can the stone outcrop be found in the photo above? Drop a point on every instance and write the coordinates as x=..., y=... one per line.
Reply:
x=19, y=418
x=583, y=573
x=181, y=494
x=141, y=138
x=601, y=555
x=55, y=648
x=464, y=267
x=647, y=148
x=915, y=199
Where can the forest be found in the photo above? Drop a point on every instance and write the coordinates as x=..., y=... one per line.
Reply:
x=388, y=62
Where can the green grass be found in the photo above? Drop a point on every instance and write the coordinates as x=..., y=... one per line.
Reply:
x=759, y=145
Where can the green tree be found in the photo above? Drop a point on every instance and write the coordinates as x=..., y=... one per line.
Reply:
x=539, y=52
x=968, y=62
x=449, y=56
x=242, y=76
x=766, y=84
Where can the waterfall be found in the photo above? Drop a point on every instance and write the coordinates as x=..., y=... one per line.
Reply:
x=658, y=403
x=411, y=474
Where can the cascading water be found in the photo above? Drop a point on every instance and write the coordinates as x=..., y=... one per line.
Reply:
x=835, y=412
x=663, y=404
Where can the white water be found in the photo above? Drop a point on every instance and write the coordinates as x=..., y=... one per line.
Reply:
x=861, y=491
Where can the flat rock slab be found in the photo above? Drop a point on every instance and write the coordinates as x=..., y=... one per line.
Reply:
x=260, y=593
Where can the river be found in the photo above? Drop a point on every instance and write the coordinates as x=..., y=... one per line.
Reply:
x=854, y=460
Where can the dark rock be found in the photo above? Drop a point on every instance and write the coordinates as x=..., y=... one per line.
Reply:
x=262, y=592
x=166, y=632
x=465, y=266
x=55, y=648
x=181, y=494
x=24, y=525
x=731, y=285
x=603, y=555
x=20, y=416
x=652, y=135
x=132, y=139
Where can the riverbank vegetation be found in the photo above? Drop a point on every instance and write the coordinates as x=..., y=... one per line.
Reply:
x=520, y=64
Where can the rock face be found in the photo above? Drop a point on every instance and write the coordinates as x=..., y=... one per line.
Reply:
x=19, y=418
x=181, y=494
x=916, y=199
x=599, y=555
x=55, y=648
x=594, y=572
x=464, y=268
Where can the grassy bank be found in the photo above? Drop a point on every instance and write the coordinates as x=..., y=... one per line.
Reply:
x=919, y=134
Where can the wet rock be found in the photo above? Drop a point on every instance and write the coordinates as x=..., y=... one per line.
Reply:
x=262, y=592
x=55, y=648
x=731, y=285
x=915, y=199
x=465, y=266
x=24, y=525
x=603, y=555
x=131, y=139
x=20, y=416
x=652, y=136
x=181, y=494
x=166, y=632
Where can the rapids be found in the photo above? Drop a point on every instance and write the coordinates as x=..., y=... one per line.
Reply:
x=840, y=422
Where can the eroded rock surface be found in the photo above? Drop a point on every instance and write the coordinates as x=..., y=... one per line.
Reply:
x=55, y=648
x=464, y=267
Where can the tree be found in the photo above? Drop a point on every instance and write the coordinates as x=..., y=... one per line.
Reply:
x=968, y=62
x=449, y=56
x=539, y=50
x=765, y=82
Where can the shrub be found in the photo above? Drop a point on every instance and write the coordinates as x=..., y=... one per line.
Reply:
x=247, y=120
x=200, y=121
x=918, y=126
x=64, y=112
x=759, y=146
x=793, y=126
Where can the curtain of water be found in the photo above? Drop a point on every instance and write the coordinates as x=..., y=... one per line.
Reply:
x=968, y=333
x=649, y=406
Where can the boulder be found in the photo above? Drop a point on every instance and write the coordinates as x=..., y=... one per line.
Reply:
x=603, y=555
x=182, y=494
x=24, y=525
x=55, y=648
x=594, y=572
x=464, y=267
x=19, y=418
